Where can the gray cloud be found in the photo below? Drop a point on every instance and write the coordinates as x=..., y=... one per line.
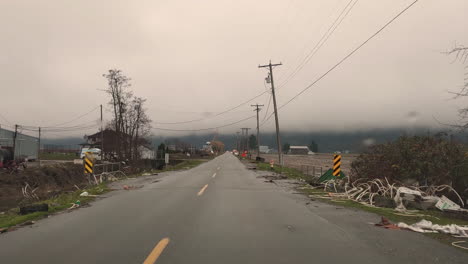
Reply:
x=192, y=59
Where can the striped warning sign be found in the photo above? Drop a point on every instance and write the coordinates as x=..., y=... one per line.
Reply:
x=88, y=163
x=336, y=165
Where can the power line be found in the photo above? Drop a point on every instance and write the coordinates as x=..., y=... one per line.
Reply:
x=304, y=48
x=218, y=114
x=6, y=120
x=346, y=57
x=203, y=129
x=322, y=41
x=74, y=119
x=268, y=107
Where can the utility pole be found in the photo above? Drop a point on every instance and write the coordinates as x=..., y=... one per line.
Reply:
x=257, y=109
x=102, y=139
x=14, y=141
x=39, y=147
x=278, y=140
x=237, y=142
x=245, y=138
x=241, y=141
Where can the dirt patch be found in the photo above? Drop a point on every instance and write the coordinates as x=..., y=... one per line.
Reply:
x=40, y=183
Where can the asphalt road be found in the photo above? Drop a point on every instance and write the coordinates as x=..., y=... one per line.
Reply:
x=218, y=212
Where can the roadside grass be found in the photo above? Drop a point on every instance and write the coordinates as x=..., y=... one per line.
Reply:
x=318, y=194
x=412, y=217
x=61, y=202
x=435, y=217
x=185, y=165
x=57, y=156
x=290, y=172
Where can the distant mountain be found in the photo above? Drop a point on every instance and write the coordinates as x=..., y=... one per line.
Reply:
x=328, y=141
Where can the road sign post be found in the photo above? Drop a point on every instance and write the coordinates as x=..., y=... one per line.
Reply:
x=337, y=165
x=88, y=164
x=166, y=158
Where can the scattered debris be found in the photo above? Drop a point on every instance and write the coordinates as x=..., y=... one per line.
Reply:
x=383, y=201
x=385, y=223
x=291, y=228
x=131, y=187
x=84, y=194
x=34, y=208
x=445, y=203
x=75, y=205
x=425, y=226
x=3, y=230
x=273, y=177
x=28, y=223
x=456, y=244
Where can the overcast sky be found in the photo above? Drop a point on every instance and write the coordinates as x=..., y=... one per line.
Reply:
x=193, y=59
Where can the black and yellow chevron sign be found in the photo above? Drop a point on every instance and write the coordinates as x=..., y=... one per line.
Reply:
x=336, y=165
x=88, y=163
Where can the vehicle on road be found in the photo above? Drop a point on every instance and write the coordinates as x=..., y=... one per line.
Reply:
x=95, y=152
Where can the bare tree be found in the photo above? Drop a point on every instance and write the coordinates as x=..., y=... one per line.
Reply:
x=130, y=121
x=461, y=54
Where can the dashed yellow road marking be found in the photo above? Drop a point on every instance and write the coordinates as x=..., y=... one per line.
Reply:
x=202, y=190
x=214, y=175
x=156, y=252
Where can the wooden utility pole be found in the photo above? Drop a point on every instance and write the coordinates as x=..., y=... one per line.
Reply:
x=278, y=140
x=245, y=138
x=102, y=139
x=39, y=147
x=257, y=109
x=14, y=141
x=237, y=143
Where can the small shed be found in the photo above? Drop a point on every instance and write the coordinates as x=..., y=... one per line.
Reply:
x=25, y=147
x=298, y=150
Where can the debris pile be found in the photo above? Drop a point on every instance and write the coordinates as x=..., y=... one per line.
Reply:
x=383, y=194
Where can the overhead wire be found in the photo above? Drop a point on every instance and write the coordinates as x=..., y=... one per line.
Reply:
x=77, y=118
x=346, y=57
x=307, y=44
x=344, y=13
x=6, y=120
x=216, y=115
x=204, y=129
x=268, y=107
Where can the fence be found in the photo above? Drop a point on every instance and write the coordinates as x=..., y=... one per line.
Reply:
x=107, y=167
x=312, y=172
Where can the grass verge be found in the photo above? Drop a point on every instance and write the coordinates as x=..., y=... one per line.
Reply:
x=434, y=216
x=58, y=156
x=57, y=204
x=63, y=201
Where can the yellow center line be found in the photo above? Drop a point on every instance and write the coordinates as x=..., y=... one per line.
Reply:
x=158, y=249
x=214, y=175
x=202, y=190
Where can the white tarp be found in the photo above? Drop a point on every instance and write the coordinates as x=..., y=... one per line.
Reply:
x=425, y=226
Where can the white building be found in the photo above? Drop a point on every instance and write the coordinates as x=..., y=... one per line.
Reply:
x=264, y=149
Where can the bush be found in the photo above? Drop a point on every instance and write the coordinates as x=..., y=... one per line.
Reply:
x=425, y=160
